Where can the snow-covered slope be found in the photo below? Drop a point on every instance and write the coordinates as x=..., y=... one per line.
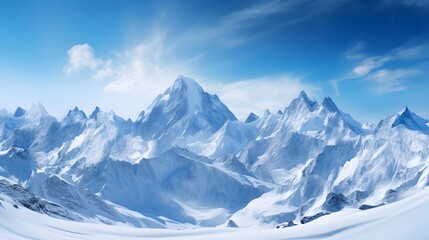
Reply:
x=187, y=161
x=404, y=219
x=172, y=186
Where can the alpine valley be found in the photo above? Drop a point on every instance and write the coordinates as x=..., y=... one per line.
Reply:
x=187, y=162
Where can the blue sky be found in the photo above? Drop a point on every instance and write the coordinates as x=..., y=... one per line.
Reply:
x=371, y=57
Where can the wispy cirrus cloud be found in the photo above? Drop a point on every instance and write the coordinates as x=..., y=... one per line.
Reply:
x=370, y=64
x=253, y=15
x=262, y=18
x=413, y=3
x=236, y=28
x=418, y=3
x=388, y=81
x=381, y=71
x=403, y=53
x=356, y=52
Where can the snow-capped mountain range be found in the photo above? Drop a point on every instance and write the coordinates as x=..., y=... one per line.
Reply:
x=187, y=161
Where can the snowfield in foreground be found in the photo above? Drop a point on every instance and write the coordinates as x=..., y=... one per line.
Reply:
x=404, y=219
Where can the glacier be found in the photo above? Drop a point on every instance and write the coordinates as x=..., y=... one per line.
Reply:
x=188, y=162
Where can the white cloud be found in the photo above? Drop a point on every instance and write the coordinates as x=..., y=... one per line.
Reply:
x=257, y=95
x=232, y=29
x=105, y=71
x=403, y=53
x=356, y=51
x=417, y=3
x=370, y=64
x=408, y=52
x=141, y=68
x=146, y=68
x=387, y=81
x=143, y=71
x=258, y=20
x=334, y=84
x=376, y=68
x=253, y=15
x=140, y=72
x=81, y=57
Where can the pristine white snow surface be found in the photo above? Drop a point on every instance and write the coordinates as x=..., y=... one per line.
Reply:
x=187, y=163
x=405, y=219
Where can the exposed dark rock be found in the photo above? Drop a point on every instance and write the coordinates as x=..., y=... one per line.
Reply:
x=286, y=224
x=367, y=206
x=232, y=224
x=357, y=196
x=390, y=196
x=27, y=199
x=19, y=112
x=308, y=219
x=335, y=202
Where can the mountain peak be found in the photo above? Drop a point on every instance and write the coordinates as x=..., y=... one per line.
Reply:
x=4, y=112
x=94, y=113
x=186, y=80
x=75, y=115
x=329, y=105
x=410, y=120
x=37, y=111
x=251, y=118
x=74, y=110
x=267, y=112
x=184, y=89
x=300, y=101
x=303, y=95
x=187, y=105
x=405, y=111
x=19, y=112
x=189, y=83
x=102, y=116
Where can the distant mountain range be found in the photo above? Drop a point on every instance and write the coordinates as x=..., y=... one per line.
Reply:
x=188, y=161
